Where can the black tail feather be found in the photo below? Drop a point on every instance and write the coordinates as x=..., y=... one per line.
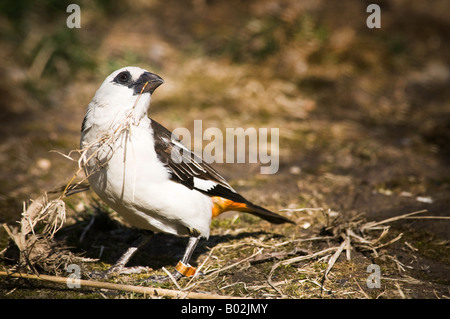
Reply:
x=267, y=214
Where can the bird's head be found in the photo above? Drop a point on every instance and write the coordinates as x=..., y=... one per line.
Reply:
x=127, y=85
x=132, y=81
x=124, y=89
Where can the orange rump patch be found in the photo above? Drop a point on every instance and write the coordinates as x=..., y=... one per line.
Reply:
x=221, y=205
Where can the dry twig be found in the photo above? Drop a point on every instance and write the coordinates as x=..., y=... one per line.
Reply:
x=157, y=292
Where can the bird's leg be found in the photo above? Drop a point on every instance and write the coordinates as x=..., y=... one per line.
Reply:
x=183, y=268
x=119, y=266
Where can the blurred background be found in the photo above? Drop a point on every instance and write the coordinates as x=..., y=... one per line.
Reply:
x=364, y=114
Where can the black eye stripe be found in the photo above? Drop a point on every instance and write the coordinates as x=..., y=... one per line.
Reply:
x=123, y=78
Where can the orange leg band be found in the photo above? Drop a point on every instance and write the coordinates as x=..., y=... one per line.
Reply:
x=185, y=270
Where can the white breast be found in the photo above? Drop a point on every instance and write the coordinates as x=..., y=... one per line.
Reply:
x=137, y=185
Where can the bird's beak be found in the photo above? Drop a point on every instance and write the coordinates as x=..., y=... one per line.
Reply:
x=147, y=83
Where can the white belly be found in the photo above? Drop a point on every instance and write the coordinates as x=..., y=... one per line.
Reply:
x=134, y=183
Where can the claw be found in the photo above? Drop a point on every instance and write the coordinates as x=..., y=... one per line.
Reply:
x=115, y=270
x=97, y=274
x=161, y=279
x=158, y=279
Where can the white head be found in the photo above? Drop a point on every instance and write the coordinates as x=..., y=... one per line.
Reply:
x=124, y=89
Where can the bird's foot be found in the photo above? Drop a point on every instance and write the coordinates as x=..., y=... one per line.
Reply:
x=160, y=279
x=118, y=270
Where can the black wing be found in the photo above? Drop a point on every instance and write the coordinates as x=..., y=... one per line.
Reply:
x=187, y=168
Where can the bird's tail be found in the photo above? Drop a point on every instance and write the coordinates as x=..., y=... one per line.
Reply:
x=221, y=205
x=266, y=214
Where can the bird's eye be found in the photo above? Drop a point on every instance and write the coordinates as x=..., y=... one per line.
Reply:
x=123, y=77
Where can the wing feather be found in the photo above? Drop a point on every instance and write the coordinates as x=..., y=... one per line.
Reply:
x=188, y=169
x=185, y=166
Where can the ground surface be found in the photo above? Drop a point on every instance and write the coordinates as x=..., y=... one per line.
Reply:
x=363, y=115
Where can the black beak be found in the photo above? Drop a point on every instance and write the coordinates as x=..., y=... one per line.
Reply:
x=147, y=83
